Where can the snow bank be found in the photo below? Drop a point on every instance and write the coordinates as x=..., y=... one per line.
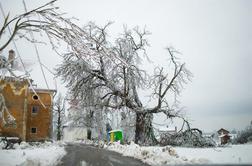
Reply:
x=45, y=154
x=153, y=155
x=233, y=154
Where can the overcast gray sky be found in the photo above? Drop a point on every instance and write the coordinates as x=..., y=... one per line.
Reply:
x=215, y=38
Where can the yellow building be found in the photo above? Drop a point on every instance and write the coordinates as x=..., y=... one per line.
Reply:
x=25, y=112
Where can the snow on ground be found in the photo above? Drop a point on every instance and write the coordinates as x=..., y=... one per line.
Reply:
x=45, y=154
x=233, y=154
x=153, y=155
x=48, y=154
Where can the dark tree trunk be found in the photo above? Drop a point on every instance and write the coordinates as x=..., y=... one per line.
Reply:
x=89, y=134
x=59, y=127
x=144, y=134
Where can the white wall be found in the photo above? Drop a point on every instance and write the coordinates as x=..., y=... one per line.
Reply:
x=74, y=133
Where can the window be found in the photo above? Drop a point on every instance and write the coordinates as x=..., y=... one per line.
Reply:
x=35, y=97
x=35, y=109
x=34, y=130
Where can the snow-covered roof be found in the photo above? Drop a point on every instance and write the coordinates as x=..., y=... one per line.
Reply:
x=5, y=73
x=224, y=130
x=224, y=135
x=9, y=77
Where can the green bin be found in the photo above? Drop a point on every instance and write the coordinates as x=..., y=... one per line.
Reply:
x=116, y=135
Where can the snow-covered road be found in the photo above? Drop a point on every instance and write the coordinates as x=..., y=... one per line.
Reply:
x=87, y=155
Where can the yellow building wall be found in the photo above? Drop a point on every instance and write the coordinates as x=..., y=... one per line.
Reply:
x=40, y=120
x=14, y=96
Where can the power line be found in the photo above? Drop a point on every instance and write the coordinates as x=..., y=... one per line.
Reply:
x=14, y=41
x=38, y=56
x=36, y=49
x=26, y=72
x=55, y=82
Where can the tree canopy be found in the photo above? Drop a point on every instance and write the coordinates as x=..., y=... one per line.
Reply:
x=109, y=76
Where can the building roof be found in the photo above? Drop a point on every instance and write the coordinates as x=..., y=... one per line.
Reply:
x=223, y=130
x=13, y=79
x=4, y=72
x=10, y=78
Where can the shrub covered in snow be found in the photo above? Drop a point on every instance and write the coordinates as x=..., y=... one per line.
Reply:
x=250, y=139
x=244, y=137
x=1, y=144
x=188, y=138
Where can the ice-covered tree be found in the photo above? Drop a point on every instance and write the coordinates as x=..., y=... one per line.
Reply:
x=108, y=70
x=111, y=72
x=45, y=20
x=86, y=115
x=35, y=20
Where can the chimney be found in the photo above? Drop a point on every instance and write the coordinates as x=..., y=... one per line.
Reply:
x=11, y=58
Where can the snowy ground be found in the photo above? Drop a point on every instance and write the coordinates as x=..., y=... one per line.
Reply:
x=151, y=155
x=48, y=154
x=233, y=154
x=45, y=154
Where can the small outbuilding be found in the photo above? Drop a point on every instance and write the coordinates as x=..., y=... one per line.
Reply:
x=224, y=136
x=224, y=139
